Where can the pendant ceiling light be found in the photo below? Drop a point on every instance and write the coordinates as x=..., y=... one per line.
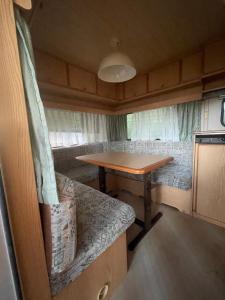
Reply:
x=116, y=67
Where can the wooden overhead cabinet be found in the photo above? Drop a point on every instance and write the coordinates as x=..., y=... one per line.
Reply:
x=136, y=86
x=106, y=89
x=214, y=59
x=164, y=77
x=191, y=67
x=50, y=69
x=82, y=80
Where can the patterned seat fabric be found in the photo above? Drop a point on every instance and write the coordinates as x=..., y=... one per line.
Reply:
x=178, y=173
x=172, y=175
x=101, y=220
x=83, y=174
x=60, y=227
x=66, y=163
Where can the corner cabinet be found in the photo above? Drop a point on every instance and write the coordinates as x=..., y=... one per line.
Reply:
x=209, y=177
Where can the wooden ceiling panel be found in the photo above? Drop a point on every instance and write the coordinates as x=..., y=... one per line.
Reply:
x=151, y=31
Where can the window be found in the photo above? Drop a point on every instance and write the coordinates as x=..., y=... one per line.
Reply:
x=155, y=124
x=68, y=128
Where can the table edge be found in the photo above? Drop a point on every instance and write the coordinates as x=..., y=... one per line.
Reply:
x=145, y=170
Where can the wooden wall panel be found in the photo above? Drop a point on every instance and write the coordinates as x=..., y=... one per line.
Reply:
x=215, y=83
x=164, y=77
x=50, y=69
x=136, y=86
x=106, y=89
x=17, y=166
x=82, y=79
x=185, y=94
x=76, y=104
x=191, y=67
x=214, y=58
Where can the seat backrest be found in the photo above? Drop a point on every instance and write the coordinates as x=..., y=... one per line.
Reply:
x=64, y=158
x=181, y=151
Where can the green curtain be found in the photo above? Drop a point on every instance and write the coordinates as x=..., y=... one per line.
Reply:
x=189, y=119
x=116, y=128
x=42, y=155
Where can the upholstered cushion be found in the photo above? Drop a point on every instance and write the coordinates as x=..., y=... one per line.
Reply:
x=180, y=151
x=83, y=174
x=59, y=226
x=171, y=174
x=177, y=173
x=65, y=158
x=174, y=175
x=101, y=220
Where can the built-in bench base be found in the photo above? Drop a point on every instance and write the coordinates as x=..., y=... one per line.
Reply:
x=106, y=272
x=178, y=198
x=172, y=196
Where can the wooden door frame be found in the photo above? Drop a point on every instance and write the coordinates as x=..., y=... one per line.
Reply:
x=17, y=164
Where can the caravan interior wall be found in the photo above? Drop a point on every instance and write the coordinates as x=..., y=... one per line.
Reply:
x=211, y=110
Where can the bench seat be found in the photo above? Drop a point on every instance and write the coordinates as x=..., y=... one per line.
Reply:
x=101, y=220
x=83, y=173
x=174, y=175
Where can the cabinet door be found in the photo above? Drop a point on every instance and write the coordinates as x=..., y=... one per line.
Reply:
x=82, y=80
x=214, y=57
x=50, y=69
x=106, y=89
x=210, y=194
x=136, y=86
x=191, y=67
x=164, y=77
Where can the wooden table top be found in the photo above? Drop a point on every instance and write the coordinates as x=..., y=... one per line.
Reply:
x=134, y=163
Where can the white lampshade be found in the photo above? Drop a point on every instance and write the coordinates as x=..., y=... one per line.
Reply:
x=116, y=67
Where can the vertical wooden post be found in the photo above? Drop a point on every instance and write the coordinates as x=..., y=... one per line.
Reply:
x=17, y=165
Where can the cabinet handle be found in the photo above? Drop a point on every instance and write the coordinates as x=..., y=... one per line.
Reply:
x=102, y=294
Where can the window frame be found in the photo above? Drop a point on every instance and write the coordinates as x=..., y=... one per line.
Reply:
x=222, y=116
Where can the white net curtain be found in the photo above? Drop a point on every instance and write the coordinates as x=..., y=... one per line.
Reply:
x=161, y=123
x=68, y=128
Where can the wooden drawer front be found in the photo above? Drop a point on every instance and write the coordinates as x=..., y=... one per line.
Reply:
x=50, y=69
x=109, y=269
x=192, y=67
x=82, y=80
x=210, y=187
x=164, y=77
x=106, y=89
x=214, y=57
x=136, y=86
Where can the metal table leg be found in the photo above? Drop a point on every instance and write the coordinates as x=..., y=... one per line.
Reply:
x=102, y=179
x=148, y=221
